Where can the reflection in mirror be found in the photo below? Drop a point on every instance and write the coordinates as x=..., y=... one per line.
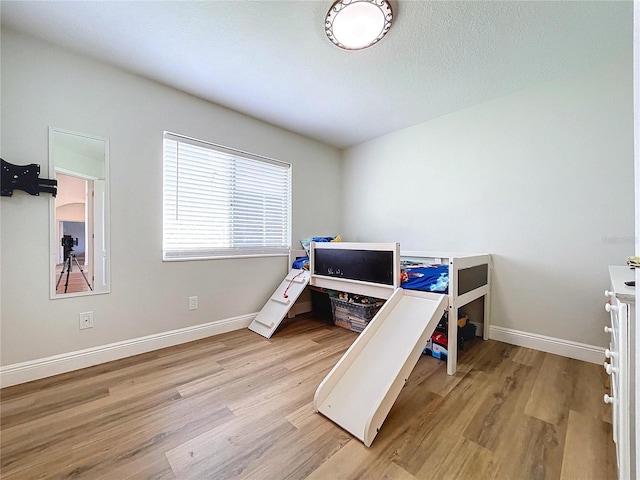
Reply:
x=79, y=214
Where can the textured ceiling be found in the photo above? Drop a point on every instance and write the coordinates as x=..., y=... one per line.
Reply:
x=272, y=60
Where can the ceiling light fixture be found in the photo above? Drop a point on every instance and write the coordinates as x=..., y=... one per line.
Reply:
x=358, y=24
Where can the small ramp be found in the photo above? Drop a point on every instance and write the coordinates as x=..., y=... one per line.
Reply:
x=363, y=386
x=280, y=302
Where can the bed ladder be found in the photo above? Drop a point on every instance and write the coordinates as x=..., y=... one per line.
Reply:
x=279, y=304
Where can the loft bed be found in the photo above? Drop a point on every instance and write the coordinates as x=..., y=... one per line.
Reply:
x=362, y=387
x=360, y=390
x=377, y=269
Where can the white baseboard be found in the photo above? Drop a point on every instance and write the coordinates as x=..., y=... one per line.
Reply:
x=67, y=362
x=565, y=348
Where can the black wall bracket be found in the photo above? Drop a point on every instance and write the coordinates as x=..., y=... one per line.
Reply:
x=25, y=178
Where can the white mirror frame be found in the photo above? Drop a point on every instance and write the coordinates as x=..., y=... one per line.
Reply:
x=103, y=253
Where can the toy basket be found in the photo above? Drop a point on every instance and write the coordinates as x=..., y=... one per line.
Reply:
x=353, y=316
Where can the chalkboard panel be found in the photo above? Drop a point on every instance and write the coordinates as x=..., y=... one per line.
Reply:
x=472, y=277
x=364, y=265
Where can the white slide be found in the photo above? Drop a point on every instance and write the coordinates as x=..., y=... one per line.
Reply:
x=280, y=302
x=360, y=390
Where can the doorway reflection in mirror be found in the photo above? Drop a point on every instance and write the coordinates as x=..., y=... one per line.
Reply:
x=73, y=266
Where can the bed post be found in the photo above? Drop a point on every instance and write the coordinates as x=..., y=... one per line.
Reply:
x=452, y=331
x=396, y=266
x=487, y=301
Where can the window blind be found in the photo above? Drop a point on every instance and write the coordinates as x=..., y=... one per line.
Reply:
x=220, y=202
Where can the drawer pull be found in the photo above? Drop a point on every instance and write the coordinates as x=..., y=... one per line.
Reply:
x=608, y=353
x=608, y=329
x=610, y=308
x=609, y=369
x=609, y=294
x=608, y=399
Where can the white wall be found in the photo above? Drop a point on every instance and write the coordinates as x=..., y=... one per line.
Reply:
x=44, y=86
x=542, y=179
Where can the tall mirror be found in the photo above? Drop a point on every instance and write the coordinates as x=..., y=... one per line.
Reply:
x=79, y=214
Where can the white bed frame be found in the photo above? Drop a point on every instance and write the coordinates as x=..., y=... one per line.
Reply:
x=458, y=264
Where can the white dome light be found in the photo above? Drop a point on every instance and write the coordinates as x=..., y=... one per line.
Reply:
x=358, y=24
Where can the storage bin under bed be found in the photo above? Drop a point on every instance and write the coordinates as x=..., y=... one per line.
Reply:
x=353, y=316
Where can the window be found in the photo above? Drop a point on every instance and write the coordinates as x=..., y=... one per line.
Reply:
x=220, y=202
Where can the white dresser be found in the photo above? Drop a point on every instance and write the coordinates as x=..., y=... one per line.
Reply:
x=621, y=365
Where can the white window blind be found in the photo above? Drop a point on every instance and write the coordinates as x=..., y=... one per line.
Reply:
x=220, y=202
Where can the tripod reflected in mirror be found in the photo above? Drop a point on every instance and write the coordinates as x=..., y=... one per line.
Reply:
x=68, y=242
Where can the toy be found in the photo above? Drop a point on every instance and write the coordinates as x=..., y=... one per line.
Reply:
x=436, y=350
x=437, y=346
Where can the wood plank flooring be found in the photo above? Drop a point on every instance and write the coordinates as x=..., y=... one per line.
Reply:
x=239, y=406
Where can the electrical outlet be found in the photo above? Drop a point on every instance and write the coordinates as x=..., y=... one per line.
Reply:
x=193, y=303
x=86, y=320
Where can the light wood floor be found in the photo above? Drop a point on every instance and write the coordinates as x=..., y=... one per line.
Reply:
x=239, y=406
